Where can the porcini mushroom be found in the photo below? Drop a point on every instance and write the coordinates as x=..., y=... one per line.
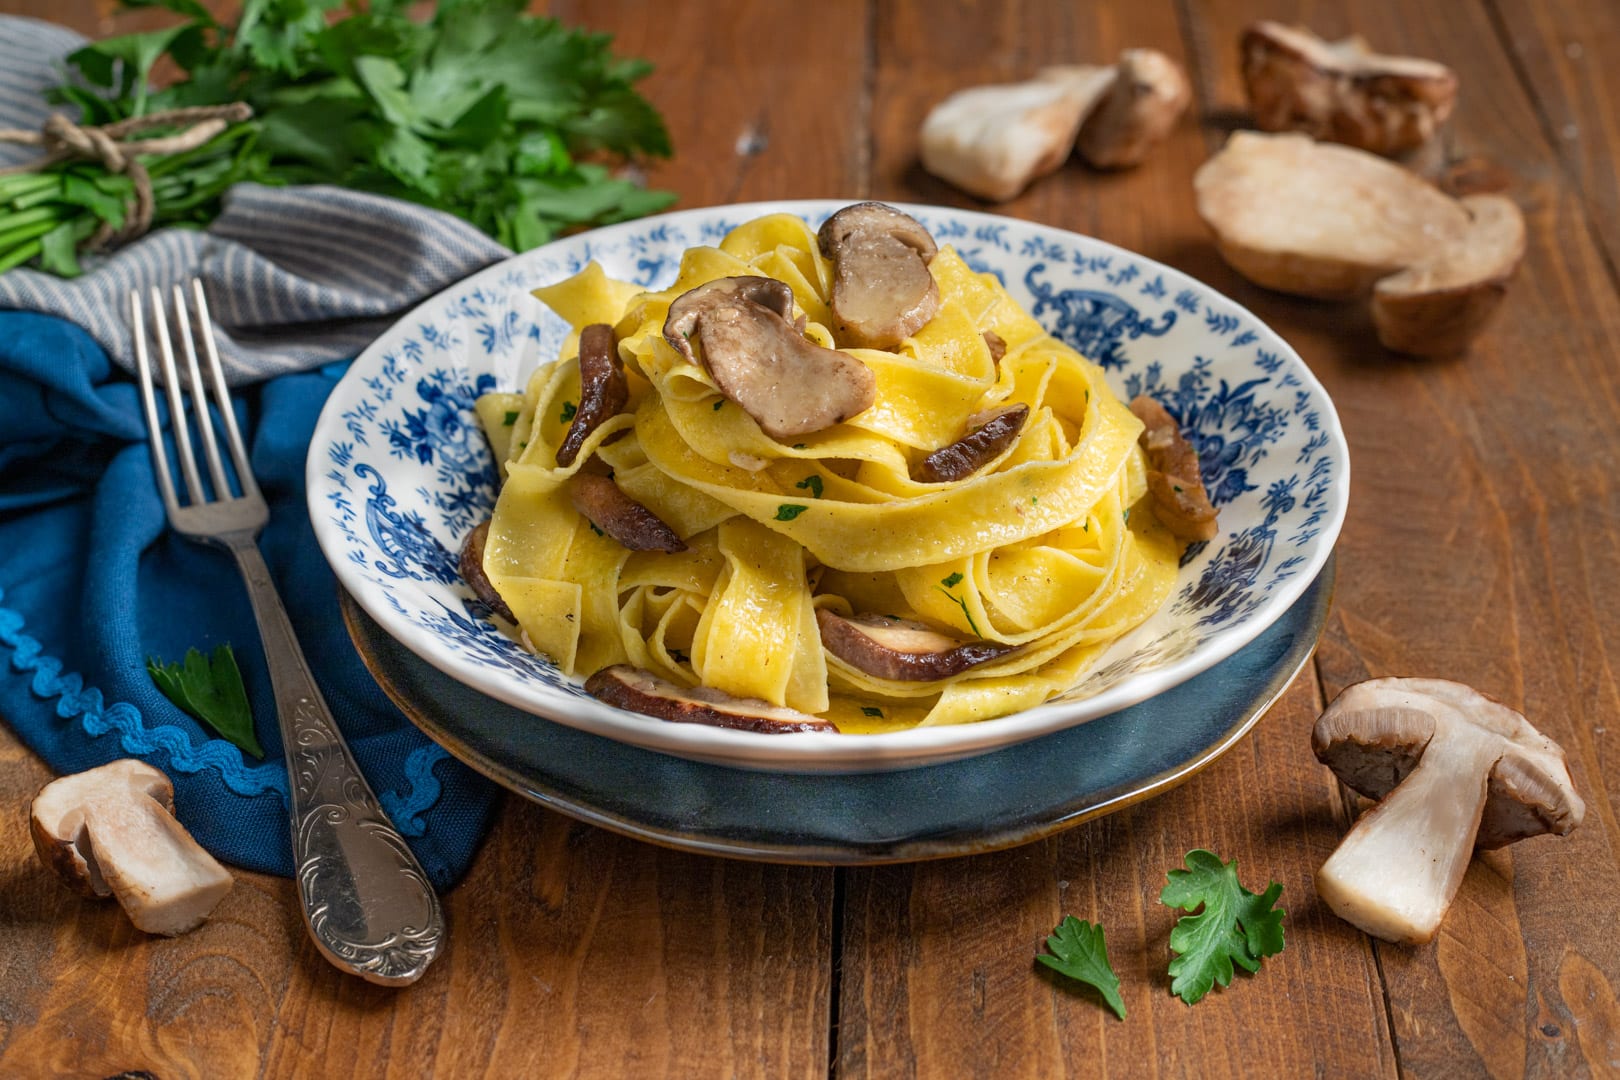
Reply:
x=641, y=691
x=1453, y=769
x=882, y=290
x=901, y=649
x=758, y=359
x=1436, y=307
x=1343, y=91
x=994, y=141
x=989, y=436
x=109, y=831
x=1181, y=502
x=1142, y=104
x=472, y=571
x=619, y=516
x=603, y=389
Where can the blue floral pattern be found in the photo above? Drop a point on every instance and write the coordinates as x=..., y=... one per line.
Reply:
x=404, y=473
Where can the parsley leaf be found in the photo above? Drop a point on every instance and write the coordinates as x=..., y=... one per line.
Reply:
x=1235, y=927
x=569, y=411
x=209, y=688
x=1079, y=951
x=952, y=581
x=867, y=710
x=811, y=482
x=511, y=417
x=789, y=511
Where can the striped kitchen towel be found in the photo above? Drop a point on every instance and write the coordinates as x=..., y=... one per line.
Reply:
x=296, y=276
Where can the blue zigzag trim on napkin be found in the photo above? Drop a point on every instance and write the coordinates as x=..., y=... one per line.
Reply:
x=74, y=700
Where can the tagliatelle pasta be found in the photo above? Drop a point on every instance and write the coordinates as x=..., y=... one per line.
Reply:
x=1038, y=550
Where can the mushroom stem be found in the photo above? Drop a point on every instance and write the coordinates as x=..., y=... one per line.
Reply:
x=1397, y=870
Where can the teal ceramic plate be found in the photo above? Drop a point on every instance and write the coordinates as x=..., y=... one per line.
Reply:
x=997, y=800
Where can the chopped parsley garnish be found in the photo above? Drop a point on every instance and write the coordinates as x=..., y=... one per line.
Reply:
x=867, y=710
x=719, y=404
x=594, y=529
x=813, y=483
x=961, y=603
x=511, y=417
x=789, y=511
x=568, y=411
x=952, y=581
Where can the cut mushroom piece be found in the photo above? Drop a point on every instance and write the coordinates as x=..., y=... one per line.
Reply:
x=1146, y=98
x=472, y=571
x=994, y=141
x=882, y=290
x=641, y=691
x=900, y=648
x=786, y=382
x=996, y=344
x=603, y=389
x=1174, y=480
x=1343, y=91
x=1453, y=768
x=619, y=516
x=1438, y=306
x=109, y=831
x=1316, y=219
x=973, y=451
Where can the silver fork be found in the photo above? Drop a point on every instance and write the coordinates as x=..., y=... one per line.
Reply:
x=366, y=900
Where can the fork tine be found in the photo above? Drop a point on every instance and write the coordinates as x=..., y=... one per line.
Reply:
x=177, y=405
x=222, y=396
x=143, y=366
x=199, y=397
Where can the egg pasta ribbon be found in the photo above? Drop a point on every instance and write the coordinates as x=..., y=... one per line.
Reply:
x=1038, y=549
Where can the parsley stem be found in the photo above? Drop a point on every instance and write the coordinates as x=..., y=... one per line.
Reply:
x=18, y=256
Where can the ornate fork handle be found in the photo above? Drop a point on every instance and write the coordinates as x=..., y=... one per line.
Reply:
x=368, y=903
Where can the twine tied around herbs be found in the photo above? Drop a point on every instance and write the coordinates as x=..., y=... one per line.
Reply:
x=112, y=145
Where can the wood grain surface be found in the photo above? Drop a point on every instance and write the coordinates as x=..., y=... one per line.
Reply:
x=1482, y=545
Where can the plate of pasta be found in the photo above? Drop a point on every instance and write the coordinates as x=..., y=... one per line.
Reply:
x=811, y=486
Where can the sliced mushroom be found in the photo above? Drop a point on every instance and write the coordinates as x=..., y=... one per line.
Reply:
x=472, y=571
x=1453, y=769
x=882, y=290
x=109, y=831
x=1343, y=91
x=641, y=691
x=900, y=648
x=1316, y=219
x=619, y=516
x=1148, y=95
x=603, y=389
x=973, y=451
x=786, y=382
x=1438, y=306
x=996, y=344
x=1174, y=480
x=994, y=141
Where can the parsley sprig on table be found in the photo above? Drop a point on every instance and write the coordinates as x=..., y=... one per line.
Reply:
x=1079, y=951
x=509, y=121
x=210, y=689
x=1235, y=926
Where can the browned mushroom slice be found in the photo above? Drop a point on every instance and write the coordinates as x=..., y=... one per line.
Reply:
x=1179, y=497
x=790, y=385
x=472, y=572
x=882, y=290
x=1342, y=91
x=603, y=389
x=996, y=344
x=1148, y=96
x=641, y=691
x=688, y=308
x=901, y=649
x=620, y=516
x=973, y=451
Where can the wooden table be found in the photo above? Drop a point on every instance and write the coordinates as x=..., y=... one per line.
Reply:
x=1483, y=544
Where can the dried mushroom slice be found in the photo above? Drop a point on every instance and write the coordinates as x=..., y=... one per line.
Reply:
x=901, y=649
x=641, y=691
x=790, y=385
x=620, y=516
x=1343, y=91
x=472, y=571
x=1179, y=498
x=882, y=290
x=603, y=389
x=973, y=451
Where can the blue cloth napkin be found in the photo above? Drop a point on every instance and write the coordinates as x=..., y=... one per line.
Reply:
x=92, y=582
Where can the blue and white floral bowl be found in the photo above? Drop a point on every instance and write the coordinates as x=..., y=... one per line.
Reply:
x=398, y=471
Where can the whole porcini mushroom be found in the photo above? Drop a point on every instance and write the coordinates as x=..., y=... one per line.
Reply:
x=1454, y=770
x=110, y=831
x=1343, y=91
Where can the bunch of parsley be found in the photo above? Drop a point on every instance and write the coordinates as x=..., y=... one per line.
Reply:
x=508, y=121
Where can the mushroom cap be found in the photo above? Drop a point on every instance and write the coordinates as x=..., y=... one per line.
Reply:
x=1148, y=95
x=1316, y=219
x=1375, y=733
x=1438, y=306
x=882, y=289
x=57, y=822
